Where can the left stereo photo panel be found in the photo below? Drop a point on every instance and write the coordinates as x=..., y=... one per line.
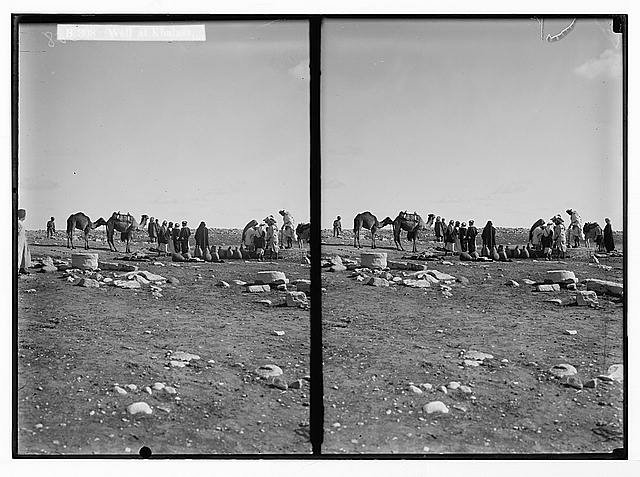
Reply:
x=163, y=236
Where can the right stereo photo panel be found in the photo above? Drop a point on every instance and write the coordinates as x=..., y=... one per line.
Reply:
x=472, y=236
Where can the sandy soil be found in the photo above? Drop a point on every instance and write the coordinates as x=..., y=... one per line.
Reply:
x=378, y=341
x=75, y=344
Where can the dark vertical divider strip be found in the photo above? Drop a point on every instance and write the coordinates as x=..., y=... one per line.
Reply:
x=316, y=392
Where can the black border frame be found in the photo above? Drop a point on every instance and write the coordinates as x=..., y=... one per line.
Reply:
x=316, y=369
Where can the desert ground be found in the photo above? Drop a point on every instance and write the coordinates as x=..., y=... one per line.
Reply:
x=389, y=351
x=76, y=344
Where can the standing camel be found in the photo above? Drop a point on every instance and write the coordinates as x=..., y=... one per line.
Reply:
x=125, y=224
x=593, y=235
x=82, y=222
x=412, y=224
x=367, y=221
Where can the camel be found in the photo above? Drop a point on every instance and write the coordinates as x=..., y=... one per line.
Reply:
x=82, y=222
x=412, y=224
x=368, y=221
x=125, y=224
x=303, y=232
x=593, y=234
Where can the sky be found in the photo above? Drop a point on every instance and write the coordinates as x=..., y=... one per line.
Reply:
x=471, y=119
x=215, y=131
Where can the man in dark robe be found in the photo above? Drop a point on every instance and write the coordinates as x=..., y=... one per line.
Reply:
x=489, y=236
x=175, y=237
x=185, y=233
x=202, y=237
x=462, y=235
x=608, y=236
x=153, y=231
x=472, y=233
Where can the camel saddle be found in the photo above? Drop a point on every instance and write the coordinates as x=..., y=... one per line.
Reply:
x=123, y=217
x=410, y=217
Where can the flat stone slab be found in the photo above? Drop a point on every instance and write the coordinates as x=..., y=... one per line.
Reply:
x=258, y=288
x=296, y=298
x=121, y=267
x=130, y=284
x=408, y=282
x=604, y=287
x=269, y=277
x=397, y=265
x=477, y=355
x=183, y=356
x=440, y=276
x=303, y=285
x=548, y=288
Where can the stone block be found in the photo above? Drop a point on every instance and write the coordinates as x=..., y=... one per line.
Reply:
x=373, y=259
x=605, y=287
x=84, y=261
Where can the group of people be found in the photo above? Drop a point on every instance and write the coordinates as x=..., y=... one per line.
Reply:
x=458, y=237
x=260, y=238
x=170, y=237
x=549, y=237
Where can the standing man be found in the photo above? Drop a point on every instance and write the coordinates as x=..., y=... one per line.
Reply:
x=24, y=255
x=575, y=234
x=608, y=236
x=472, y=233
x=153, y=232
x=272, y=237
x=51, y=228
x=287, y=232
x=185, y=233
x=337, y=227
x=163, y=239
x=175, y=237
x=462, y=235
x=202, y=237
x=559, y=237
x=438, y=229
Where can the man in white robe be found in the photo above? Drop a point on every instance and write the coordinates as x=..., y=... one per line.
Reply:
x=24, y=255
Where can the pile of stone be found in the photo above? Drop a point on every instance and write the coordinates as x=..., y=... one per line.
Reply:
x=557, y=279
x=424, y=278
x=568, y=376
x=180, y=359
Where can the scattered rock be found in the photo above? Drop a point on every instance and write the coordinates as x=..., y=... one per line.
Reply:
x=173, y=281
x=443, y=389
x=591, y=383
x=131, y=387
x=120, y=390
x=158, y=386
x=442, y=277
x=409, y=282
x=378, y=282
x=572, y=381
x=139, y=408
x=512, y=283
x=562, y=370
x=605, y=287
x=296, y=299
x=297, y=384
x=278, y=333
x=303, y=285
x=223, y=284
x=570, y=332
x=435, y=406
x=271, y=278
x=177, y=364
x=147, y=389
x=337, y=268
x=527, y=281
x=572, y=286
x=48, y=269
x=268, y=371
x=616, y=372
x=238, y=283
x=170, y=390
x=426, y=386
x=472, y=362
x=88, y=283
x=265, y=302
x=463, y=280
x=555, y=301
x=415, y=389
x=453, y=385
x=561, y=276
x=465, y=389
x=587, y=298
x=127, y=284
x=279, y=383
